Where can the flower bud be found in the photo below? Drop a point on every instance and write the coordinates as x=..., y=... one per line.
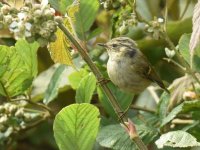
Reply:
x=189, y=95
x=58, y=19
x=19, y=113
x=3, y=119
x=107, y=5
x=123, y=29
x=8, y=19
x=169, y=53
x=5, y=9
x=12, y=109
x=37, y=13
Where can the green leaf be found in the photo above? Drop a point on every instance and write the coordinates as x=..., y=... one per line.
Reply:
x=184, y=46
x=86, y=89
x=178, y=139
x=85, y=17
x=172, y=114
x=60, y=5
x=163, y=105
x=191, y=106
x=124, y=99
x=28, y=52
x=18, y=67
x=53, y=87
x=184, y=49
x=94, y=33
x=76, y=77
x=76, y=127
x=115, y=137
x=186, y=106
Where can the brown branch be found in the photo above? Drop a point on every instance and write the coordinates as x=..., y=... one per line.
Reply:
x=100, y=78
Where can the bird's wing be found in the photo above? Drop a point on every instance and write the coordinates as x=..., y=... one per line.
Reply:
x=153, y=76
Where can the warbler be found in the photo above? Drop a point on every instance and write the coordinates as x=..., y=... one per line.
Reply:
x=127, y=66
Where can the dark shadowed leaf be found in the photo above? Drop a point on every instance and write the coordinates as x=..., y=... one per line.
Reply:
x=53, y=87
x=124, y=99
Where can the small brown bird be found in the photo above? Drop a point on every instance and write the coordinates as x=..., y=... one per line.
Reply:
x=127, y=66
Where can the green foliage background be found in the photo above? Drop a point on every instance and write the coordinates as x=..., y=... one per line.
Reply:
x=25, y=69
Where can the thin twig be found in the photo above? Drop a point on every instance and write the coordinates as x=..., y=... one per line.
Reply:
x=37, y=104
x=175, y=63
x=180, y=58
x=182, y=121
x=153, y=94
x=185, y=10
x=142, y=108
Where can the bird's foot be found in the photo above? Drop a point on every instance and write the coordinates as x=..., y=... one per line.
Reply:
x=103, y=81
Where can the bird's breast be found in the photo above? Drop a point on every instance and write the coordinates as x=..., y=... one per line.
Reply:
x=124, y=74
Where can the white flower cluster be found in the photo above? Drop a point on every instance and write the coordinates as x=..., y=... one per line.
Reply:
x=156, y=27
x=35, y=22
x=14, y=117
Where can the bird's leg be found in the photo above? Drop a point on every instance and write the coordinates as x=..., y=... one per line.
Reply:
x=103, y=81
x=123, y=113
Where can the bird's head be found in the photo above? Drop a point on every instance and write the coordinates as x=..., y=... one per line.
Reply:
x=120, y=46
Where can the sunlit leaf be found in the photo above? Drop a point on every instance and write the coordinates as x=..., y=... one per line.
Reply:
x=76, y=127
x=178, y=139
x=28, y=52
x=18, y=67
x=76, y=77
x=60, y=49
x=86, y=89
x=15, y=3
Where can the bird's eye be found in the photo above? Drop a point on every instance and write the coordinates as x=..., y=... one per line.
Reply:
x=114, y=45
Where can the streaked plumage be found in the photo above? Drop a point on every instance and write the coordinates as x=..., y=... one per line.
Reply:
x=128, y=68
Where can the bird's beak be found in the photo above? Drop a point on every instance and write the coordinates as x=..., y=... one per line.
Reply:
x=103, y=45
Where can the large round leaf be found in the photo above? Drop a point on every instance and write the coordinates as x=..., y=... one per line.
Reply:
x=76, y=127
